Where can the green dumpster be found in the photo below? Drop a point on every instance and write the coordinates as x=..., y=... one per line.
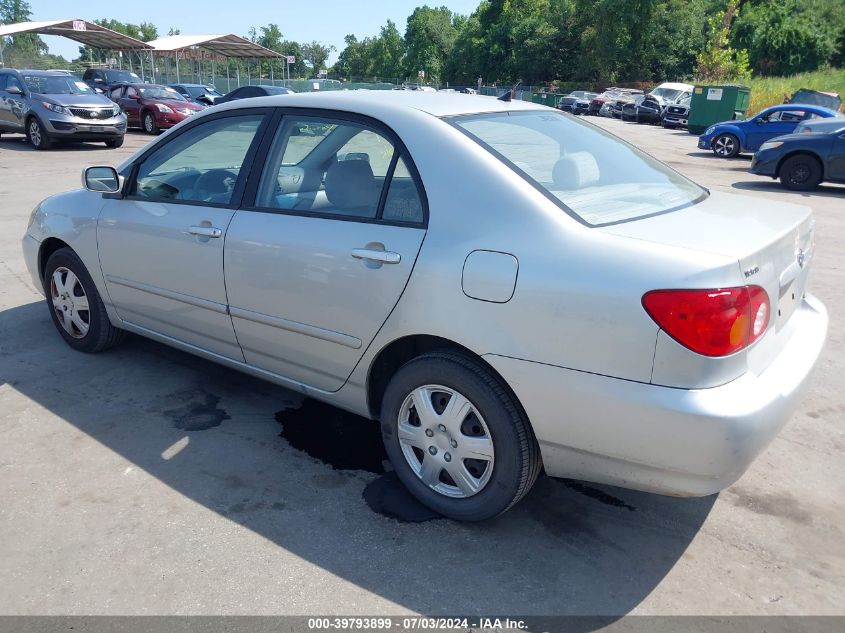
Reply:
x=714, y=104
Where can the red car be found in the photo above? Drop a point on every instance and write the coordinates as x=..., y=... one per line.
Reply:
x=152, y=107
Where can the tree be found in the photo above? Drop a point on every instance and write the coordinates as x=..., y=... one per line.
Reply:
x=429, y=38
x=790, y=36
x=373, y=57
x=353, y=59
x=12, y=12
x=387, y=52
x=316, y=54
x=718, y=61
x=144, y=31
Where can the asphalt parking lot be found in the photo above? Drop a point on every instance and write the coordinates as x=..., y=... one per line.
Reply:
x=147, y=481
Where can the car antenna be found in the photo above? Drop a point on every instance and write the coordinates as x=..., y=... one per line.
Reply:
x=510, y=93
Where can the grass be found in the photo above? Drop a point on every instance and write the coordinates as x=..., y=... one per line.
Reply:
x=767, y=91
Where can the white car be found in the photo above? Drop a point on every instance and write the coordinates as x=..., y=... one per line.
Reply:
x=505, y=287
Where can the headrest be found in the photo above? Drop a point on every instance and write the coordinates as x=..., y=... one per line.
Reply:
x=576, y=171
x=350, y=184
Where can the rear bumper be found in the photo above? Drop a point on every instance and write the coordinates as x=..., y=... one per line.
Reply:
x=678, y=442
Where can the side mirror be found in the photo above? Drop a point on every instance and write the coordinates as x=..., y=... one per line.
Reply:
x=101, y=179
x=14, y=90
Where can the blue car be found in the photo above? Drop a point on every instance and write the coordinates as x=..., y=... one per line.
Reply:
x=733, y=137
x=813, y=154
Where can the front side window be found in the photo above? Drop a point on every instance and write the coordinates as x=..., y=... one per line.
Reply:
x=12, y=82
x=593, y=175
x=334, y=167
x=201, y=164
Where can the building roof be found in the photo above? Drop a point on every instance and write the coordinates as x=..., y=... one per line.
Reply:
x=79, y=30
x=225, y=45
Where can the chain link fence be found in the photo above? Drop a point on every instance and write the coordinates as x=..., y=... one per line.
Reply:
x=225, y=76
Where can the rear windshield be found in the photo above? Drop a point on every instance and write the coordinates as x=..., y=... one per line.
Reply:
x=594, y=176
x=198, y=91
x=116, y=76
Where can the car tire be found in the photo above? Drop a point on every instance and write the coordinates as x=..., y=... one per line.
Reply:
x=148, y=122
x=115, y=143
x=490, y=423
x=725, y=146
x=68, y=286
x=37, y=136
x=801, y=172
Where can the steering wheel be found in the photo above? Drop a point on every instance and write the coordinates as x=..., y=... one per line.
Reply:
x=213, y=183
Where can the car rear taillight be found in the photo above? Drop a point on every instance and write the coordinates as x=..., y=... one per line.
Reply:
x=713, y=322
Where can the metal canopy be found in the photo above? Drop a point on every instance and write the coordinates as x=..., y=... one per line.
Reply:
x=81, y=31
x=225, y=45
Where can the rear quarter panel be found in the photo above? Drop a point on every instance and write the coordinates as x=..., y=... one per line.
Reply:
x=578, y=291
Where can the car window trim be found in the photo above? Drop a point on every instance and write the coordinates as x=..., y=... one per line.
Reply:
x=399, y=151
x=388, y=182
x=243, y=174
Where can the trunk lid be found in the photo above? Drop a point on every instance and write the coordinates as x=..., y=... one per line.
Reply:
x=771, y=241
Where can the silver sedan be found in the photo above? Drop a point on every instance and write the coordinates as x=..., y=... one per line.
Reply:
x=505, y=287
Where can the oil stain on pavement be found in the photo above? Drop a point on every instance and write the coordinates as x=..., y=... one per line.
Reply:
x=199, y=413
x=346, y=441
x=598, y=495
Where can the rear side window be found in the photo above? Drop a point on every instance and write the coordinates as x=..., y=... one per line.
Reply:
x=403, y=202
x=596, y=177
x=344, y=169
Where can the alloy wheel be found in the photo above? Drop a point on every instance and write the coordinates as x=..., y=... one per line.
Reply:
x=799, y=174
x=70, y=302
x=35, y=133
x=149, y=124
x=445, y=441
x=725, y=146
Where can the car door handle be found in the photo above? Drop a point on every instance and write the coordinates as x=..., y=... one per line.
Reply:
x=205, y=231
x=384, y=257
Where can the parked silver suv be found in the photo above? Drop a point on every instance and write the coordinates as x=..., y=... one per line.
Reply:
x=53, y=105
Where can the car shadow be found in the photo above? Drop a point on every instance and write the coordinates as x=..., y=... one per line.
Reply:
x=706, y=153
x=21, y=144
x=569, y=548
x=824, y=190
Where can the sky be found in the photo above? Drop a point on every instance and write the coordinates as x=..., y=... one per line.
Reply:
x=327, y=21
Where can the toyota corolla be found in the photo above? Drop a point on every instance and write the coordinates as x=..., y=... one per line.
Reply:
x=504, y=287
